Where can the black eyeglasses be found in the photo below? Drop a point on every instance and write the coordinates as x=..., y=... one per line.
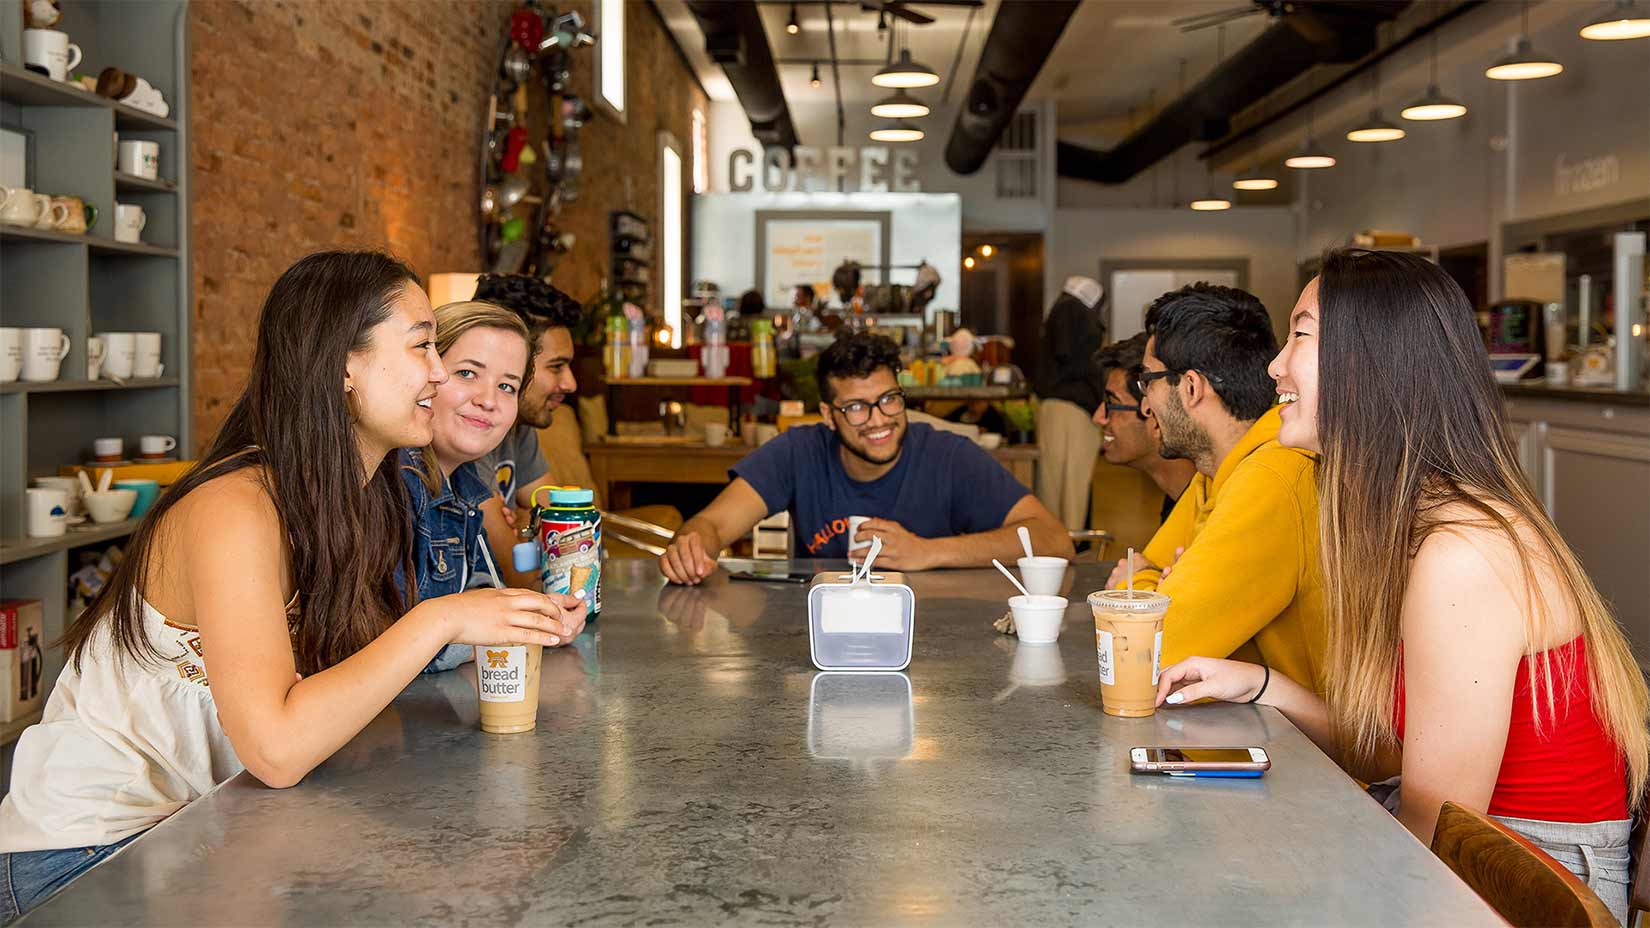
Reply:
x=858, y=412
x=1143, y=380
x=1122, y=407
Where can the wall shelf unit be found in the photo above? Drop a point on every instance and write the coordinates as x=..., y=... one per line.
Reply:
x=89, y=283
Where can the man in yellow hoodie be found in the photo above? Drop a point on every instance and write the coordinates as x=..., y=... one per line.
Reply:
x=1239, y=555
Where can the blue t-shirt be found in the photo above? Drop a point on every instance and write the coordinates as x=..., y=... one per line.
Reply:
x=942, y=486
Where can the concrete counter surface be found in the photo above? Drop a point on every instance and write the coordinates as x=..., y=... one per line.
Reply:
x=691, y=768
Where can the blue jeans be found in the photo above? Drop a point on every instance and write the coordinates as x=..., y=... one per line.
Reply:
x=28, y=878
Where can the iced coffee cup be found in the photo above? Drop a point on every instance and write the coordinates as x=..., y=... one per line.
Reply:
x=1128, y=636
x=507, y=682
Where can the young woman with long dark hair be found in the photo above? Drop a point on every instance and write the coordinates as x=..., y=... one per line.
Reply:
x=1468, y=651
x=271, y=566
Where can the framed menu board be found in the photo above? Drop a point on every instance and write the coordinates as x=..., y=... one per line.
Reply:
x=804, y=247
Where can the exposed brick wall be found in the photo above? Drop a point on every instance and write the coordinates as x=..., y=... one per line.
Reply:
x=326, y=123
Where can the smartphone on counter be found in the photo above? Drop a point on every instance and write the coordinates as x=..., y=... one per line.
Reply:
x=782, y=573
x=1218, y=763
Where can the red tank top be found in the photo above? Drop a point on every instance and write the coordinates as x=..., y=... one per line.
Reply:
x=1572, y=771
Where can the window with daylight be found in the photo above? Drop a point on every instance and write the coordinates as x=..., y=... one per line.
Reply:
x=670, y=235
x=701, y=153
x=610, y=54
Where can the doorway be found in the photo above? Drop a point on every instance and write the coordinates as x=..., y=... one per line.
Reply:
x=1002, y=293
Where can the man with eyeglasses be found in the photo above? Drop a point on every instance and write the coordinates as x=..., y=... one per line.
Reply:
x=934, y=498
x=1128, y=436
x=1238, y=556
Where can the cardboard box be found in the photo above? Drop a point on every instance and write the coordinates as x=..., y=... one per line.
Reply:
x=22, y=658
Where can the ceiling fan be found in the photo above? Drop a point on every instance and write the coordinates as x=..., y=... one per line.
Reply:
x=901, y=9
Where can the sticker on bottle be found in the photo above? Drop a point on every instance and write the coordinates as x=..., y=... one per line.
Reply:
x=503, y=673
x=1157, y=656
x=1102, y=644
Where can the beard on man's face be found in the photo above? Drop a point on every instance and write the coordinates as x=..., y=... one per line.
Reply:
x=1179, y=436
x=853, y=438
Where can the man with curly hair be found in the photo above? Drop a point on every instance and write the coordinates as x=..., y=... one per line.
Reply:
x=518, y=464
x=934, y=498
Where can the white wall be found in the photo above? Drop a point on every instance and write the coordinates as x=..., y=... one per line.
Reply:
x=924, y=226
x=1264, y=235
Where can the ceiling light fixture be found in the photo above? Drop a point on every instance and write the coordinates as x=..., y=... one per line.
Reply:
x=896, y=130
x=987, y=251
x=1254, y=179
x=1622, y=19
x=1375, y=128
x=813, y=80
x=1524, y=63
x=968, y=262
x=900, y=105
x=1311, y=155
x=1433, y=105
x=792, y=27
x=905, y=74
x=1211, y=203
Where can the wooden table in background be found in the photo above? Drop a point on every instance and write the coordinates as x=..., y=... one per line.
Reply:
x=617, y=465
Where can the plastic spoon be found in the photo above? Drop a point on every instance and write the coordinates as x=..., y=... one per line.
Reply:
x=1025, y=540
x=1011, y=578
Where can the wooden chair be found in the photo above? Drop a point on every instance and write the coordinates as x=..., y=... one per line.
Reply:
x=1519, y=881
x=1638, y=891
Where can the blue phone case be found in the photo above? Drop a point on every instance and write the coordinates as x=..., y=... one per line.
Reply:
x=1218, y=774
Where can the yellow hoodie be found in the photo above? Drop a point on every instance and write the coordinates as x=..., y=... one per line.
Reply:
x=1249, y=585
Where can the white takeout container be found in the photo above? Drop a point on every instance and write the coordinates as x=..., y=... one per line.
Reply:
x=1037, y=618
x=865, y=626
x=1042, y=575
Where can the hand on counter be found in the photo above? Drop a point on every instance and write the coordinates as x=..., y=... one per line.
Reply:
x=686, y=560
x=901, y=550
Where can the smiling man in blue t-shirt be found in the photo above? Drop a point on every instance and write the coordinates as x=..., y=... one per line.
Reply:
x=934, y=498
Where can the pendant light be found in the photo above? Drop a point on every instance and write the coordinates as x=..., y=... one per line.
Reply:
x=1254, y=179
x=896, y=130
x=1375, y=128
x=899, y=105
x=813, y=79
x=905, y=73
x=792, y=27
x=1311, y=155
x=1622, y=19
x=1524, y=63
x=1214, y=202
x=1433, y=105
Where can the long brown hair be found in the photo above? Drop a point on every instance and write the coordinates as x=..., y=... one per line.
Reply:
x=293, y=426
x=1412, y=428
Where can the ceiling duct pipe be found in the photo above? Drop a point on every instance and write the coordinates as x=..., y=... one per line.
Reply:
x=1319, y=33
x=1019, y=43
x=734, y=39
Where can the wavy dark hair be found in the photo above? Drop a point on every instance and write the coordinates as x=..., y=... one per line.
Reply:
x=538, y=304
x=1222, y=333
x=293, y=426
x=854, y=356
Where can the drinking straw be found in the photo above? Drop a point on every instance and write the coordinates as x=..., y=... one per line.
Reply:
x=1131, y=570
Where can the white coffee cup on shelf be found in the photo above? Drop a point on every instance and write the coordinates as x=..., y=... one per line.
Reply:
x=156, y=446
x=53, y=215
x=52, y=50
x=140, y=158
x=108, y=450
x=20, y=206
x=120, y=356
x=69, y=485
x=11, y=354
x=129, y=223
x=146, y=354
x=48, y=512
x=96, y=350
x=43, y=353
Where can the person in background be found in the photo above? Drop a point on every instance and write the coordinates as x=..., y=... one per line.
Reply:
x=1128, y=436
x=935, y=499
x=1468, y=650
x=485, y=349
x=277, y=556
x=1247, y=580
x=1067, y=443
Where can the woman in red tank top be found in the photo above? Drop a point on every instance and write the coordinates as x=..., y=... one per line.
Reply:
x=1467, y=649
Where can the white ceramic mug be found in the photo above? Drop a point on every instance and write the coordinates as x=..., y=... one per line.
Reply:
x=53, y=214
x=11, y=354
x=69, y=485
x=140, y=158
x=129, y=222
x=120, y=355
x=21, y=206
x=146, y=356
x=156, y=446
x=95, y=352
x=716, y=434
x=108, y=450
x=53, y=51
x=48, y=512
x=43, y=353
x=854, y=522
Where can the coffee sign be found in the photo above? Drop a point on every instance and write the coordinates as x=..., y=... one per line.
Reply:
x=837, y=169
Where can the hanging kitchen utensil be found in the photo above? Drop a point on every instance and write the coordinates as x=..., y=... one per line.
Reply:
x=511, y=191
x=527, y=29
x=516, y=65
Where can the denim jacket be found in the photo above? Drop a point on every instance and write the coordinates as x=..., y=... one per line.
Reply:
x=447, y=538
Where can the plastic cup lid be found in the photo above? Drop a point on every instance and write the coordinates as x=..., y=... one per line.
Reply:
x=571, y=496
x=1129, y=600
